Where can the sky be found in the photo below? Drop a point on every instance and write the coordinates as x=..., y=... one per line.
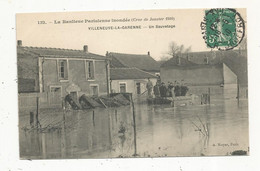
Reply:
x=186, y=31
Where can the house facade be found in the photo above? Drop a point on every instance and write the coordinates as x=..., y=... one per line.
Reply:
x=53, y=73
x=130, y=80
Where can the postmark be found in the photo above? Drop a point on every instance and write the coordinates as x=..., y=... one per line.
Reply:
x=223, y=28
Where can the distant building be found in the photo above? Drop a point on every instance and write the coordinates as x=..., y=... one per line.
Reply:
x=182, y=70
x=130, y=72
x=130, y=80
x=53, y=73
x=141, y=61
x=207, y=68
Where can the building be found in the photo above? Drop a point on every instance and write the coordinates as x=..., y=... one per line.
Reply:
x=208, y=68
x=130, y=80
x=182, y=70
x=52, y=73
x=141, y=61
x=130, y=72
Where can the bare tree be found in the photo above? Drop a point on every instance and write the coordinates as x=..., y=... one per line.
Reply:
x=175, y=49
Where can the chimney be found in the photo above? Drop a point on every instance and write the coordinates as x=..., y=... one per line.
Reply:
x=85, y=48
x=148, y=53
x=19, y=43
x=107, y=54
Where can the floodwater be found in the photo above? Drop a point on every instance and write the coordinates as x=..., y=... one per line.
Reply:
x=161, y=130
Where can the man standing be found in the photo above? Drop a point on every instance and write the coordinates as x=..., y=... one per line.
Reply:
x=163, y=90
x=156, y=89
x=149, y=87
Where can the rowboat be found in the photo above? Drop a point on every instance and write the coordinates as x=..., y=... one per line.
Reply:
x=174, y=101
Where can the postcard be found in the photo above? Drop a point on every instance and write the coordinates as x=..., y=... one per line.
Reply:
x=127, y=84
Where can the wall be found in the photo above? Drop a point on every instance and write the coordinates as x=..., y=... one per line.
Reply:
x=27, y=65
x=229, y=76
x=76, y=77
x=131, y=85
x=27, y=102
x=202, y=75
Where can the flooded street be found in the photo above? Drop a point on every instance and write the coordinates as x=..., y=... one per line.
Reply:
x=161, y=130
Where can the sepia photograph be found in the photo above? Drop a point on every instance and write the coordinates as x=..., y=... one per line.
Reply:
x=133, y=84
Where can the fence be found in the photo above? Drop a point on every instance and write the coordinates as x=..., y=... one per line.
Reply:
x=227, y=91
x=28, y=102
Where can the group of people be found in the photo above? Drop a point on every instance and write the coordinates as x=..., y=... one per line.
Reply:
x=162, y=90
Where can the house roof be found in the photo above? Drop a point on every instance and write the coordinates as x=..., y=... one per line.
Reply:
x=214, y=57
x=129, y=73
x=174, y=62
x=236, y=61
x=143, y=62
x=57, y=52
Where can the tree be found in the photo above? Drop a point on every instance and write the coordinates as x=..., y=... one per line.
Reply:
x=175, y=49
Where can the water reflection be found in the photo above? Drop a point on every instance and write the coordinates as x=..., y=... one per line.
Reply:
x=162, y=130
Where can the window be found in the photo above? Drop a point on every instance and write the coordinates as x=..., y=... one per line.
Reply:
x=63, y=70
x=122, y=87
x=138, y=88
x=94, y=90
x=90, y=70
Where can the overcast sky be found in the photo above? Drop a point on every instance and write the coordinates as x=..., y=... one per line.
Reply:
x=187, y=31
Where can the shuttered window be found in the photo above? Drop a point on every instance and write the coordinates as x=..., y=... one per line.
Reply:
x=90, y=70
x=63, y=69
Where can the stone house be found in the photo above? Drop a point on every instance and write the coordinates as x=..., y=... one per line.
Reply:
x=52, y=73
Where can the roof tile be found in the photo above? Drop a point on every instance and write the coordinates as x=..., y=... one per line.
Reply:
x=143, y=62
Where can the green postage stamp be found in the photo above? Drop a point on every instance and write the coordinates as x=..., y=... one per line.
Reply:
x=222, y=28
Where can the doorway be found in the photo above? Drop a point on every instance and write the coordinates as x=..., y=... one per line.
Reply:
x=74, y=95
x=138, y=88
x=55, y=95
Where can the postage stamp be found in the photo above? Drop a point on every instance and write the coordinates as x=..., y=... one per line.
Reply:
x=223, y=28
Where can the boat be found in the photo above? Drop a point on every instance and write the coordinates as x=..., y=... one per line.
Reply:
x=175, y=101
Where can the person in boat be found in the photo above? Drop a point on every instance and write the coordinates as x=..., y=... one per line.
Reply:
x=184, y=90
x=173, y=89
x=163, y=90
x=149, y=87
x=177, y=89
x=170, y=87
x=156, y=90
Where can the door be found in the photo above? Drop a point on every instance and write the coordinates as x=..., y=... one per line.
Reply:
x=55, y=96
x=94, y=90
